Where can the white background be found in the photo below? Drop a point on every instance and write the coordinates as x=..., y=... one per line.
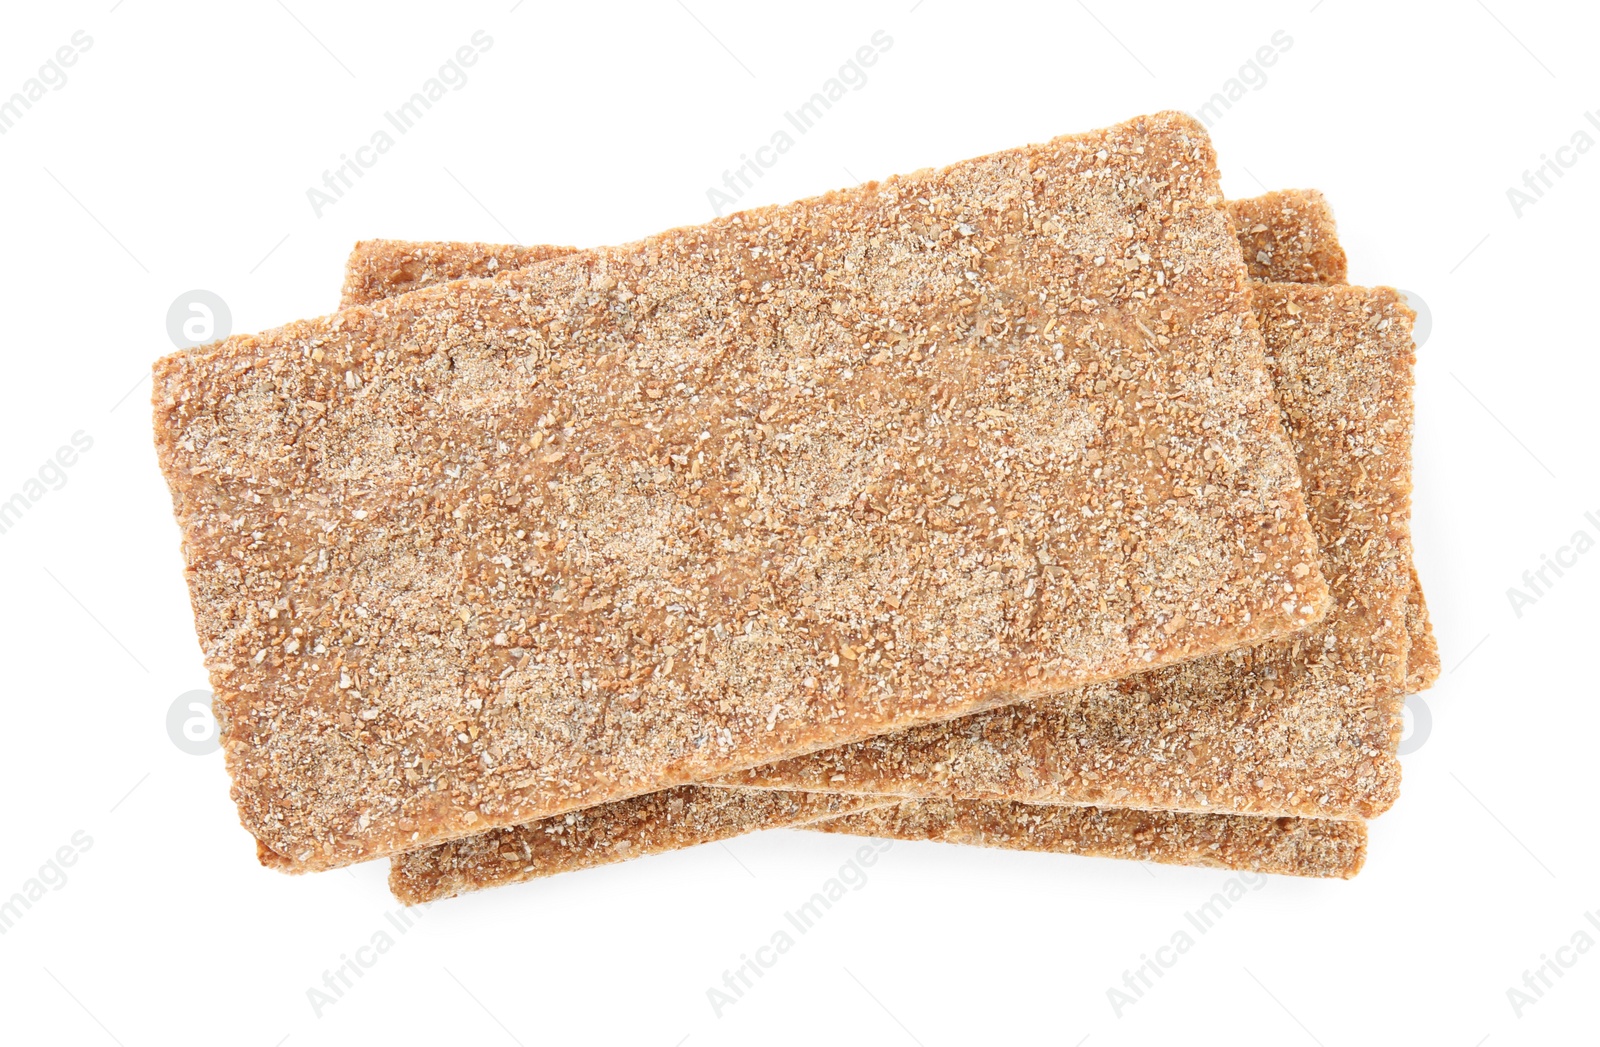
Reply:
x=177, y=156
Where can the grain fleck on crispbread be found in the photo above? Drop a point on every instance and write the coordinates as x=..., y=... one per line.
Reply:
x=635, y=517
x=1307, y=726
x=661, y=821
x=1293, y=846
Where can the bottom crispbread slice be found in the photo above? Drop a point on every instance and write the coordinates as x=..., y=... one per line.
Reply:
x=1289, y=235
x=663, y=821
x=691, y=815
x=1294, y=846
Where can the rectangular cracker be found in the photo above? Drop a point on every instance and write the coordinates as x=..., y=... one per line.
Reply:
x=1307, y=726
x=441, y=866
x=638, y=517
x=1293, y=846
x=691, y=815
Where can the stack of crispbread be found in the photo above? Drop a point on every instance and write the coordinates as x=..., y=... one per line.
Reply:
x=1040, y=501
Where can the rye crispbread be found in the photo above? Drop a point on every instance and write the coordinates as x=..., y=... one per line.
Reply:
x=1297, y=219
x=635, y=517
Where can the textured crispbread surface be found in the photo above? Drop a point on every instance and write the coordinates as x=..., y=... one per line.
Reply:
x=636, y=517
x=1289, y=236
x=1294, y=846
x=691, y=815
x=1306, y=726
x=1256, y=848
x=662, y=821
x=379, y=269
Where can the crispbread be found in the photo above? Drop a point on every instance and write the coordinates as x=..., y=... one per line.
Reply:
x=1288, y=236
x=1308, y=726
x=804, y=474
x=1295, y=846
x=1290, y=224
x=662, y=821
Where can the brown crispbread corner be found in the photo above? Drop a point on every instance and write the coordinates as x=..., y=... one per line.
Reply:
x=1319, y=847
x=1289, y=236
x=1306, y=726
x=650, y=514
x=379, y=269
x=625, y=829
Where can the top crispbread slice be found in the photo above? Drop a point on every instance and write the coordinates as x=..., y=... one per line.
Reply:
x=636, y=517
x=1307, y=726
